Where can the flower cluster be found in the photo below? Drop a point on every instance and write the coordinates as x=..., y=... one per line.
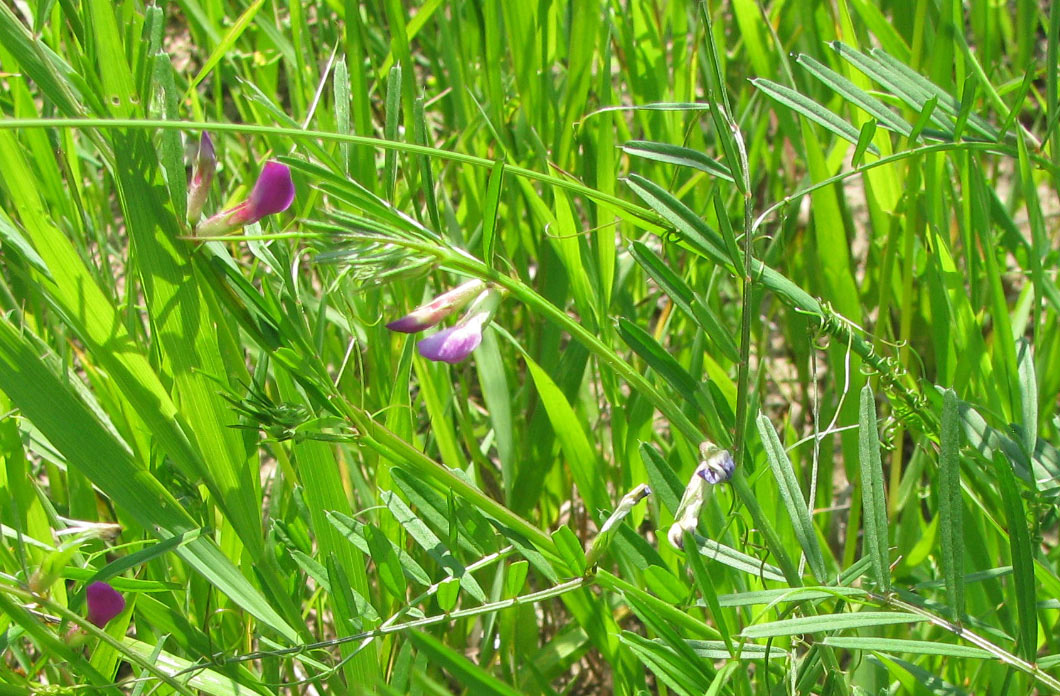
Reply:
x=457, y=342
x=715, y=466
x=272, y=193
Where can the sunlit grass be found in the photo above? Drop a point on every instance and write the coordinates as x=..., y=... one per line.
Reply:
x=821, y=237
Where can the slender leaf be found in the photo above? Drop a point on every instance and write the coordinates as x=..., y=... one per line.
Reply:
x=792, y=498
x=873, y=495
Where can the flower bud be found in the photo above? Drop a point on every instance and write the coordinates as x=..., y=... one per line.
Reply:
x=201, y=176
x=104, y=603
x=427, y=315
x=607, y=531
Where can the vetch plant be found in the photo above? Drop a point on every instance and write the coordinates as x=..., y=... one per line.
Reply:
x=457, y=510
x=458, y=341
x=717, y=466
x=272, y=193
x=201, y=177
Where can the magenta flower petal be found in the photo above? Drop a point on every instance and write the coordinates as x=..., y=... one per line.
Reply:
x=104, y=603
x=273, y=192
x=453, y=344
x=427, y=315
x=412, y=323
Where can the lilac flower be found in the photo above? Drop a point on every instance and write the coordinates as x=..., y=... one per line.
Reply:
x=104, y=603
x=273, y=193
x=201, y=176
x=717, y=465
x=456, y=343
x=427, y=315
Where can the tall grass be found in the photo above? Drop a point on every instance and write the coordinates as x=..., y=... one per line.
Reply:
x=820, y=235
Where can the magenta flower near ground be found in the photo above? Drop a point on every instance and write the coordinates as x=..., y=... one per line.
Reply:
x=273, y=193
x=427, y=315
x=457, y=342
x=201, y=176
x=104, y=603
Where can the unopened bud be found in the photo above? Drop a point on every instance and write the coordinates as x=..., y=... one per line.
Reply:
x=201, y=176
x=607, y=530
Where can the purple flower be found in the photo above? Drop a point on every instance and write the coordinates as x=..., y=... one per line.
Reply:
x=201, y=176
x=456, y=343
x=273, y=193
x=717, y=465
x=104, y=603
x=427, y=315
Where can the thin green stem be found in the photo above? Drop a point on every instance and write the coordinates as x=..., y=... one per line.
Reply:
x=66, y=615
x=743, y=376
x=644, y=215
x=463, y=263
x=490, y=607
x=992, y=148
x=974, y=638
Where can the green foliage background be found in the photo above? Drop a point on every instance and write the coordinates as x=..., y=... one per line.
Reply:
x=820, y=234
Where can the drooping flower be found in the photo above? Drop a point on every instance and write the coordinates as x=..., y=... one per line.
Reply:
x=201, y=176
x=272, y=193
x=686, y=519
x=716, y=465
x=427, y=315
x=457, y=342
x=104, y=603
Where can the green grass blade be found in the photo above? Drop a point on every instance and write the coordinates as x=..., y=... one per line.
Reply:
x=873, y=495
x=468, y=673
x=792, y=498
x=577, y=450
x=678, y=290
x=1022, y=555
x=226, y=43
x=658, y=359
x=665, y=663
x=847, y=89
x=1028, y=383
x=681, y=156
x=811, y=110
x=393, y=119
x=950, y=508
x=489, y=214
x=825, y=623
